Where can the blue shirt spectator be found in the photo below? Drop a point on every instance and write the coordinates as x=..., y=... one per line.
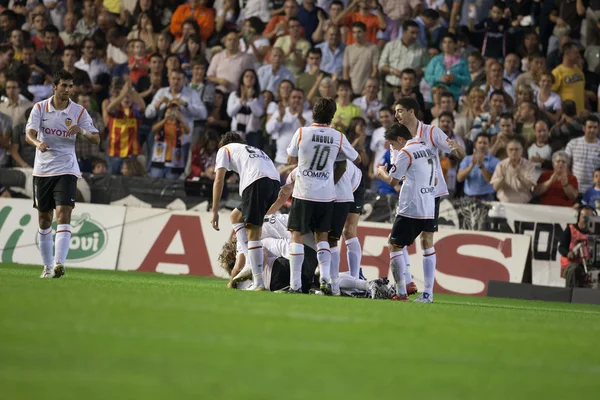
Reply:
x=270, y=80
x=383, y=187
x=332, y=61
x=309, y=19
x=592, y=197
x=476, y=184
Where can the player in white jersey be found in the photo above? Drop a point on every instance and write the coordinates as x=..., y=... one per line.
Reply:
x=259, y=186
x=315, y=149
x=405, y=112
x=416, y=204
x=52, y=128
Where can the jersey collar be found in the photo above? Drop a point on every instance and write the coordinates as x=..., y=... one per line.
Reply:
x=50, y=108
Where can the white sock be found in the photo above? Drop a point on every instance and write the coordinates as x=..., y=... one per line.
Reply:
x=242, y=238
x=46, y=243
x=348, y=282
x=398, y=270
x=63, y=241
x=354, y=254
x=296, y=260
x=324, y=259
x=429, y=269
x=255, y=257
x=334, y=269
x=407, y=275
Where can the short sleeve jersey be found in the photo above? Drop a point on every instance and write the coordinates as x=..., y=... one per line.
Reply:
x=275, y=226
x=52, y=128
x=344, y=188
x=417, y=162
x=317, y=147
x=248, y=162
x=437, y=141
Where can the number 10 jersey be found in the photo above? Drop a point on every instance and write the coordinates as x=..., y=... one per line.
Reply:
x=317, y=148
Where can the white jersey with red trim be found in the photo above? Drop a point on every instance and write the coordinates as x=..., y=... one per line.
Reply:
x=52, y=128
x=436, y=140
x=416, y=161
x=344, y=188
x=317, y=148
x=248, y=162
x=275, y=226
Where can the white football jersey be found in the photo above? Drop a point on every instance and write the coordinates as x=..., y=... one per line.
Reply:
x=52, y=128
x=275, y=226
x=344, y=188
x=436, y=140
x=248, y=162
x=417, y=162
x=317, y=148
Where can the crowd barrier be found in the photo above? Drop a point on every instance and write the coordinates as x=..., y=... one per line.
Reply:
x=183, y=242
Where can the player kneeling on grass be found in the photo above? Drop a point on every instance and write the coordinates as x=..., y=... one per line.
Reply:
x=53, y=127
x=259, y=187
x=416, y=204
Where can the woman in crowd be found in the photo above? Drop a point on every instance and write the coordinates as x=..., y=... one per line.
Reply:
x=550, y=103
x=144, y=30
x=204, y=156
x=558, y=187
x=150, y=8
x=529, y=47
x=245, y=107
x=448, y=68
x=357, y=135
x=283, y=97
x=218, y=119
x=193, y=49
x=189, y=28
x=226, y=21
x=252, y=42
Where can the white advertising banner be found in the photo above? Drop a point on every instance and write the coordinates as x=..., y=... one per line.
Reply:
x=95, y=234
x=545, y=225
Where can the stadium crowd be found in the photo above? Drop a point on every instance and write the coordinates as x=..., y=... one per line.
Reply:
x=515, y=82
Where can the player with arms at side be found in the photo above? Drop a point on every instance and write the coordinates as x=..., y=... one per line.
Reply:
x=406, y=110
x=259, y=187
x=315, y=149
x=52, y=128
x=416, y=205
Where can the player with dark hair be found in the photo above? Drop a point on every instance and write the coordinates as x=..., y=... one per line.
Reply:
x=52, y=128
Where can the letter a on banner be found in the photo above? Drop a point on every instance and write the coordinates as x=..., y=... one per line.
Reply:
x=195, y=254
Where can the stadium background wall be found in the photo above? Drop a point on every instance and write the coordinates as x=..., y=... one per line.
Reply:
x=160, y=240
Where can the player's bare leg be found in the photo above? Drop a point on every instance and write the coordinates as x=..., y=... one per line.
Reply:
x=429, y=261
x=63, y=239
x=353, y=250
x=398, y=267
x=45, y=241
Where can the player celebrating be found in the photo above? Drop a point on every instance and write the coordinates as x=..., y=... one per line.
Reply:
x=52, y=128
x=259, y=187
x=315, y=149
x=416, y=205
x=406, y=109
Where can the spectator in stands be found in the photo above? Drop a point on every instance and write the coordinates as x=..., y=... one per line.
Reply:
x=168, y=160
x=370, y=105
x=512, y=68
x=345, y=109
x=446, y=123
x=369, y=14
x=99, y=166
x=204, y=156
x=283, y=95
x=527, y=113
x=540, y=151
x=125, y=113
x=227, y=17
x=592, y=196
x=85, y=150
x=21, y=152
x=163, y=44
x=515, y=177
x=333, y=52
x=476, y=170
x=8, y=22
x=429, y=31
x=285, y=121
x=309, y=80
x=217, y=118
x=506, y=134
x=294, y=47
x=448, y=69
x=408, y=88
x=558, y=187
x=206, y=90
x=495, y=31
x=144, y=30
x=571, y=262
x=461, y=125
x=139, y=62
x=476, y=69
x=278, y=25
x=320, y=33
x=404, y=53
x=193, y=49
x=271, y=75
x=6, y=131
x=309, y=15
x=67, y=35
x=360, y=59
x=91, y=64
x=550, y=103
x=495, y=80
x=489, y=122
x=131, y=167
x=537, y=67
x=252, y=41
x=48, y=56
x=14, y=105
x=569, y=81
x=473, y=106
x=172, y=62
x=378, y=143
x=196, y=9
x=585, y=153
x=227, y=66
x=568, y=126
x=357, y=136
x=117, y=50
x=86, y=25
x=17, y=40
x=188, y=29
x=245, y=107
x=40, y=22
x=529, y=49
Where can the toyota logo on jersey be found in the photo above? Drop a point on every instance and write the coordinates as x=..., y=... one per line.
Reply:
x=56, y=132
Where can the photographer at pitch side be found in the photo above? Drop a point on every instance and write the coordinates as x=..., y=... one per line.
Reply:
x=573, y=246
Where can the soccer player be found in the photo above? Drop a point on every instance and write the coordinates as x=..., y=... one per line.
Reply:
x=406, y=110
x=315, y=149
x=52, y=128
x=259, y=187
x=416, y=204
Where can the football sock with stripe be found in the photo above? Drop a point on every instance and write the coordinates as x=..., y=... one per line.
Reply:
x=354, y=254
x=255, y=256
x=398, y=271
x=46, y=243
x=296, y=260
x=63, y=240
x=324, y=259
x=334, y=269
x=407, y=275
x=429, y=261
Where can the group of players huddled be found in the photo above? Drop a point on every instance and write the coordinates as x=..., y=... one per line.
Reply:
x=299, y=253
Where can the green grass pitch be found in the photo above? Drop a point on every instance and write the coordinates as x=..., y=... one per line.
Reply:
x=130, y=335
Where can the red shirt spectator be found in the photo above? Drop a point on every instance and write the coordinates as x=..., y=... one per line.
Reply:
x=558, y=187
x=196, y=9
x=373, y=22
